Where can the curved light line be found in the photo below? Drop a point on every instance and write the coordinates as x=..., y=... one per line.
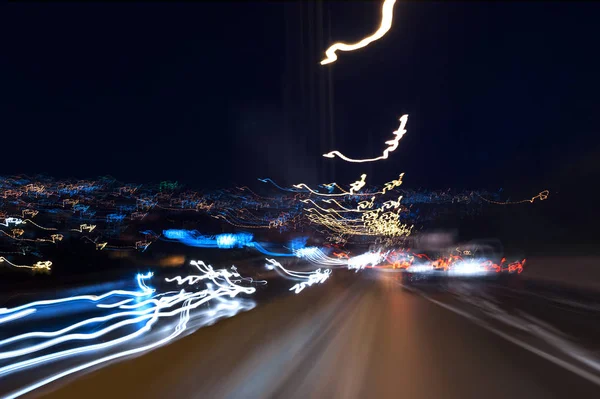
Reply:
x=387, y=13
x=392, y=145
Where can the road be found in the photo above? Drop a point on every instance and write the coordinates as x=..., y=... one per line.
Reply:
x=374, y=335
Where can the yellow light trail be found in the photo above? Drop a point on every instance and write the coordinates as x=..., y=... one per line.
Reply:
x=356, y=186
x=387, y=14
x=86, y=227
x=392, y=145
x=37, y=225
x=37, y=266
x=382, y=221
x=542, y=196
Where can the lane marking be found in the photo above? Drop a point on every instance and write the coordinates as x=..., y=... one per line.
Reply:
x=557, y=361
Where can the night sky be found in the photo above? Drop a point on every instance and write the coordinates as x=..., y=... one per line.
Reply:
x=210, y=94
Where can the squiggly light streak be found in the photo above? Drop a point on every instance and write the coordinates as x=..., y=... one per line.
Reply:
x=265, y=251
x=11, y=220
x=387, y=14
x=392, y=145
x=542, y=196
x=189, y=301
x=44, y=265
x=309, y=278
x=358, y=185
x=85, y=227
x=232, y=309
x=29, y=212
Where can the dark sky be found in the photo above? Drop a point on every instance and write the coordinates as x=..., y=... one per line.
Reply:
x=499, y=94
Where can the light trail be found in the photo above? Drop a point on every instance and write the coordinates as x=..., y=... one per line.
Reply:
x=148, y=313
x=371, y=259
x=305, y=279
x=392, y=145
x=260, y=248
x=42, y=265
x=317, y=256
x=194, y=239
x=382, y=221
x=541, y=196
x=452, y=265
x=268, y=180
x=85, y=227
x=387, y=14
x=144, y=291
x=356, y=186
x=12, y=220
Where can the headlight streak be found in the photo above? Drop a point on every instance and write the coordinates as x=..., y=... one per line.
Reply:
x=392, y=145
x=358, y=185
x=318, y=257
x=368, y=259
x=307, y=279
x=387, y=13
x=144, y=291
x=164, y=305
x=453, y=265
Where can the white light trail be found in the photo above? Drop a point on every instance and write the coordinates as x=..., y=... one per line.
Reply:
x=387, y=14
x=129, y=313
x=470, y=267
x=144, y=291
x=367, y=259
x=392, y=145
x=306, y=278
x=11, y=220
x=317, y=256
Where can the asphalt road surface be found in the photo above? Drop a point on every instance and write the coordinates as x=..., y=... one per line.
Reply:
x=374, y=334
